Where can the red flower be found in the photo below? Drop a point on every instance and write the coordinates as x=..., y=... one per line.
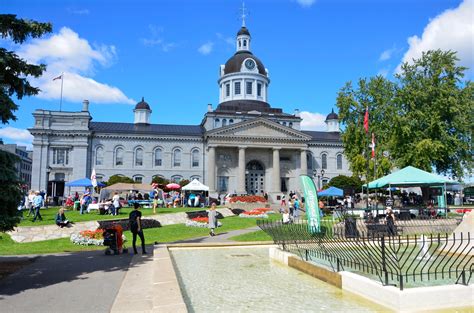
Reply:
x=201, y=219
x=247, y=199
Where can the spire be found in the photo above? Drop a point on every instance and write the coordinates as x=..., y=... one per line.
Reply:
x=243, y=14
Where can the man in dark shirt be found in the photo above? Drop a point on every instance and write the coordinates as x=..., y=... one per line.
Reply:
x=135, y=220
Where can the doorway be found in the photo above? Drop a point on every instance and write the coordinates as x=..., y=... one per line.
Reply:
x=254, y=178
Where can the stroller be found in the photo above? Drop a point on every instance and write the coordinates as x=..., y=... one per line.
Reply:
x=113, y=240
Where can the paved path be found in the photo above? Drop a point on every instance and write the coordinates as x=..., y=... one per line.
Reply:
x=75, y=282
x=222, y=237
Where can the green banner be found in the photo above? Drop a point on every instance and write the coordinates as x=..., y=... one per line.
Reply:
x=311, y=204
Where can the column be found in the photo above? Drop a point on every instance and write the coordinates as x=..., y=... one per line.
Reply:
x=211, y=169
x=276, y=180
x=241, y=171
x=304, y=163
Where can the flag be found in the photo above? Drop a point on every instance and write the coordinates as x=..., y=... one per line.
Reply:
x=373, y=145
x=59, y=77
x=313, y=212
x=366, y=120
x=93, y=178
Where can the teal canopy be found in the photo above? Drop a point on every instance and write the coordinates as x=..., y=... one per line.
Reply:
x=408, y=177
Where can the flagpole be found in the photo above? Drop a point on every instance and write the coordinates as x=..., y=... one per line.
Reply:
x=61, y=100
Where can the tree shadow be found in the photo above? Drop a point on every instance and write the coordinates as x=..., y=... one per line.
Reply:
x=49, y=270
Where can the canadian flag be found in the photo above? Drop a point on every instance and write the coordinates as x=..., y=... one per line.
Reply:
x=366, y=120
x=93, y=178
x=373, y=145
x=59, y=77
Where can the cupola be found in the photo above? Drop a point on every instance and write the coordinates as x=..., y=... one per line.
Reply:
x=142, y=112
x=332, y=122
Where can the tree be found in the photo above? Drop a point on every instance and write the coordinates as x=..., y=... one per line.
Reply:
x=14, y=70
x=160, y=180
x=183, y=182
x=346, y=182
x=425, y=118
x=114, y=179
x=14, y=74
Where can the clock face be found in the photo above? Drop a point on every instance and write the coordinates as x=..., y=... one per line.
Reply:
x=250, y=64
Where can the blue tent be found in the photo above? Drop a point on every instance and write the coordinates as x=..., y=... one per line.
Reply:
x=331, y=192
x=83, y=182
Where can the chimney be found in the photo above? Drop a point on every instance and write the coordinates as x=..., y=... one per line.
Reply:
x=209, y=107
x=85, y=106
x=297, y=113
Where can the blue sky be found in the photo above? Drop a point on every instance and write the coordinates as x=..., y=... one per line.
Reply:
x=115, y=52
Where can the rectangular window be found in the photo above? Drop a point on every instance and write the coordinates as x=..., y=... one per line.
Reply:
x=158, y=159
x=227, y=90
x=259, y=89
x=237, y=88
x=138, y=179
x=249, y=88
x=61, y=156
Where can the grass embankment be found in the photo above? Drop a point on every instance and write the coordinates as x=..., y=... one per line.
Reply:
x=49, y=215
x=163, y=234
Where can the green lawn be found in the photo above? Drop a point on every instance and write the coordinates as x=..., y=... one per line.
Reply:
x=164, y=234
x=49, y=215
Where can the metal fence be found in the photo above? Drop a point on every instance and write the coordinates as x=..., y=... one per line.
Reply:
x=424, y=255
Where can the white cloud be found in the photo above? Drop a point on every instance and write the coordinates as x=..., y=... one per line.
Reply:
x=156, y=39
x=206, y=48
x=312, y=121
x=19, y=136
x=67, y=53
x=79, y=11
x=306, y=3
x=386, y=55
x=451, y=30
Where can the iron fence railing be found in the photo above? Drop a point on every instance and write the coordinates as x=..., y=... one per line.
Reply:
x=402, y=260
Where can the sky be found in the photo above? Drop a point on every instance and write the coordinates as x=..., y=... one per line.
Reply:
x=113, y=53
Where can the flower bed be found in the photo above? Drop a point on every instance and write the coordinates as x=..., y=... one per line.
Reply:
x=256, y=213
x=90, y=238
x=200, y=222
x=247, y=199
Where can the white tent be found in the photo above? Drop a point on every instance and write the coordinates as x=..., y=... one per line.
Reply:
x=195, y=185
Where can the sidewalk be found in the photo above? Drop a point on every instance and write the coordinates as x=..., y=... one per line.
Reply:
x=220, y=237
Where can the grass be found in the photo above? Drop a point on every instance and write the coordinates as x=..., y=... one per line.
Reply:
x=49, y=215
x=163, y=234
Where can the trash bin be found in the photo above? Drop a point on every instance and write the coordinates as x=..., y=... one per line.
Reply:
x=350, y=228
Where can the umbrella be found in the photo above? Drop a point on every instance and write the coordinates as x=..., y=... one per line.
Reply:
x=331, y=192
x=84, y=182
x=173, y=186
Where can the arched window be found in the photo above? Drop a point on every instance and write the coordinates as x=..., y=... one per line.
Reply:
x=224, y=122
x=138, y=179
x=99, y=156
x=216, y=122
x=158, y=160
x=195, y=158
x=195, y=177
x=339, y=161
x=231, y=121
x=245, y=43
x=177, y=158
x=324, y=161
x=119, y=156
x=240, y=44
x=176, y=178
x=290, y=124
x=138, y=157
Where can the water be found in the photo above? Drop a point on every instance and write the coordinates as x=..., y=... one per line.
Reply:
x=246, y=280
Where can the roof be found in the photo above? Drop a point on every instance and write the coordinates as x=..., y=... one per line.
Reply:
x=142, y=105
x=155, y=129
x=234, y=64
x=410, y=176
x=332, y=116
x=243, y=31
x=323, y=136
x=195, y=185
x=246, y=106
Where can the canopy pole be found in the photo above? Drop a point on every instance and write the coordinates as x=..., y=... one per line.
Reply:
x=445, y=201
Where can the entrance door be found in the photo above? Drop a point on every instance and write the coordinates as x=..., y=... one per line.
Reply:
x=254, y=178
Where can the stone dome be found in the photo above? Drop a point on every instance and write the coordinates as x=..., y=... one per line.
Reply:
x=234, y=64
x=142, y=105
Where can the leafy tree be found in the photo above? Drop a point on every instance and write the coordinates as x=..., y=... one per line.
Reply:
x=114, y=179
x=14, y=70
x=345, y=182
x=183, y=182
x=425, y=118
x=13, y=81
x=160, y=180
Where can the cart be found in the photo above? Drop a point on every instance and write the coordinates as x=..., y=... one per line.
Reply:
x=113, y=240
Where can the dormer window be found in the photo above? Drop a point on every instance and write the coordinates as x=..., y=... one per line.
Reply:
x=237, y=88
x=216, y=122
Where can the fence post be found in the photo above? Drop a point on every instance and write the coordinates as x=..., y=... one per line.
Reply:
x=401, y=281
x=337, y=265
x=307, y=254
x=463, y=276
x=384, y=260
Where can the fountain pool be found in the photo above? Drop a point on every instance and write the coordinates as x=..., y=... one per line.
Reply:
x=246, y=280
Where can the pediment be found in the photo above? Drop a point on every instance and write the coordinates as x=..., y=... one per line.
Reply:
x=259, y=128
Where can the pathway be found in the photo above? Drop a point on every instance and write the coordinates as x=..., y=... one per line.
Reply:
x=47, y=232
x=222, y=237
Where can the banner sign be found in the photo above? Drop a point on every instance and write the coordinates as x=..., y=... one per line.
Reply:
x=311, y=203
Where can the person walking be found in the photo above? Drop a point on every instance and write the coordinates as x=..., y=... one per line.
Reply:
x=135, y=221
x=296, y=205
x=212, y=216
x=37, y=204
x=86, y=200
x=115, y=203
x=31, y=207
x=390, y=221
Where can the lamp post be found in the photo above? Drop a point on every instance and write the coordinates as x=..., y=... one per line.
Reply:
x=319, y=175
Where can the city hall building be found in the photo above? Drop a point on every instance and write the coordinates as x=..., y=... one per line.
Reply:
x=244, y=145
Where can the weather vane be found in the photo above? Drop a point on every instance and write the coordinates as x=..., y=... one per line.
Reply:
x=244, y=14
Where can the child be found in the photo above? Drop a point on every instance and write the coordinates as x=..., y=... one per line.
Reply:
x=212, y=216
